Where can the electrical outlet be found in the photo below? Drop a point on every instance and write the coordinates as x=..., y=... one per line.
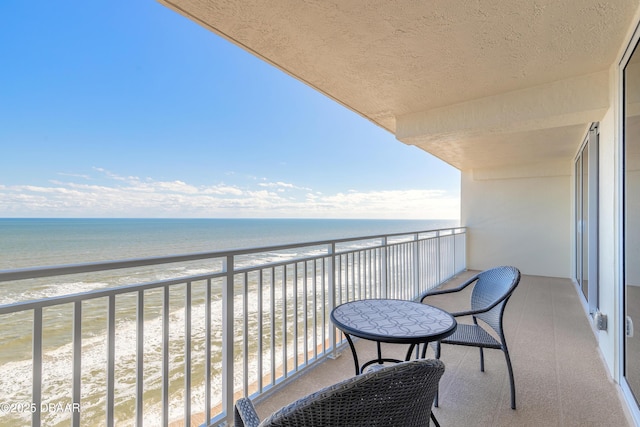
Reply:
x=600, y=320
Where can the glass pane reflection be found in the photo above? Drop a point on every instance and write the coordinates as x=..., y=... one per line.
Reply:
x=632, y=217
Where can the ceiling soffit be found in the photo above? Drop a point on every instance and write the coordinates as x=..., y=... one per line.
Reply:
x=387, y=59
x=533, y=123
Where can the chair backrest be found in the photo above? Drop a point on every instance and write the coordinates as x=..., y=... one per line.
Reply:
x=494, y=285
x=400, y=395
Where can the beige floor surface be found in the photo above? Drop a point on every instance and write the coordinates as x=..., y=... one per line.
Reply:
x=560, y=377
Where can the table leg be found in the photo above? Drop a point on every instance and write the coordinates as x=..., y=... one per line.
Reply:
x=355, y=355
x=408, y=356
x=424, y=350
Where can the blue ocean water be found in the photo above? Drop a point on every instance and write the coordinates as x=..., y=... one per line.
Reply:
x=39, y=242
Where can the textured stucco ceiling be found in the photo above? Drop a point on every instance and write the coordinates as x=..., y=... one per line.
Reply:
x=385, y=59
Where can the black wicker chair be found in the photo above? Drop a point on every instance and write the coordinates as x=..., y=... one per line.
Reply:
x=394, y=396
x=489, y=296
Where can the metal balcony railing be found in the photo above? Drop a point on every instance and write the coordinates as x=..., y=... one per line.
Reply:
x=175, y=346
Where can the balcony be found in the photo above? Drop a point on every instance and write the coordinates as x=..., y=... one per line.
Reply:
x=154, y=353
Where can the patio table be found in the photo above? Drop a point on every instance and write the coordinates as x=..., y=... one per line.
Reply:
x=391, y=321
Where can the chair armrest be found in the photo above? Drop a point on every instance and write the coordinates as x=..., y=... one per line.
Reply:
x=466, y=313
x=447, y=291
x=245, y=414
x=474, y=312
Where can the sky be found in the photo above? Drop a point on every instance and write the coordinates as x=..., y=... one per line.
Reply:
x=125, y=109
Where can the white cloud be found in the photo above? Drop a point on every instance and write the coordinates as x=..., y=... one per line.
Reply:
x=75, y=175
x=223, y=189
x=282, y=186
x=414, y=203
x=119, y=196
x=117, y=177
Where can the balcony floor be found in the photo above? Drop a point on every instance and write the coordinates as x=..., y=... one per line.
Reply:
x=559, y=374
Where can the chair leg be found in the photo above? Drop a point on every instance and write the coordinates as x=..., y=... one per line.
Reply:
x=511, y=380
x=437, y=351
x=481, y=360
x=435, y=421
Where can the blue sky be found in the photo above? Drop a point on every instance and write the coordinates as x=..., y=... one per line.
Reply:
x=127, y=109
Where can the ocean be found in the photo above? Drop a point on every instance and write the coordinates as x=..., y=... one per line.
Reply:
x=45, y=242
x=39, y=242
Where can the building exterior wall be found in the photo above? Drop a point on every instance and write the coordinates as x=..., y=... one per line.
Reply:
x=526, y=219
x=520, y=221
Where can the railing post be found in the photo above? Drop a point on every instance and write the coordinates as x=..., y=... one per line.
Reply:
x=383, y=267
x=77, y=360
x=207, y=352
x=331, y=248
x=227, y=339
x=187, y=355
x=438, y=257
x=458, y=247
x=416, y=266
x=464, y=253
x=455, y=253
x=139, y=358
x=111, y=364
x=36, y=394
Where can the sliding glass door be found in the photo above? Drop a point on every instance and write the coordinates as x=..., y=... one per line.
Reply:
x=631, y=150
x=586, y=218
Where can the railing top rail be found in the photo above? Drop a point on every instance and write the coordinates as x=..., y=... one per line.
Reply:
x=100, y=293
x=90, y=267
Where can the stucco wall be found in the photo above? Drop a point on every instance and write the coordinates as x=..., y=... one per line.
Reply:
x=521, y=221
